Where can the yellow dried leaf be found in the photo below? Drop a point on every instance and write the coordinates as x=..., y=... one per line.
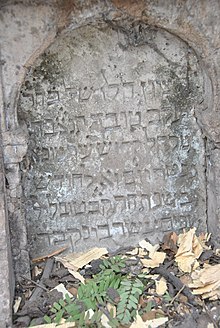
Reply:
x=190, y=249
x=210, y=274
x=133, y=252
x=210, y=325
x=199, y=290
x=185, y=261
x=155, y=260
x=185, y=242
x=154, y=323
x=138, y=322
x=16, y=304
x=77, y=275
x=105, y=321
x=141, y=252
x=79, y=260
x=111, y=308
x=150, y=248
x=206, y=282
x=197, y=247
x=161, y=287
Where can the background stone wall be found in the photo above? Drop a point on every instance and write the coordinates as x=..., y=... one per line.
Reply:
x=27, y=28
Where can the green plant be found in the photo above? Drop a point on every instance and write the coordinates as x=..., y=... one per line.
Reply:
x=115, y=264
x=129, y=291
x=108, y=286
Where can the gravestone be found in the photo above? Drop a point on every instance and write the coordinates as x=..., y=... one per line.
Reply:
x=115, y=153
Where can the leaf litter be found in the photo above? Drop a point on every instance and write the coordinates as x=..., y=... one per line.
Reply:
x=147, y=286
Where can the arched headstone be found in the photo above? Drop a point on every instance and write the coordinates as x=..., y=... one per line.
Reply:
x=115, y=153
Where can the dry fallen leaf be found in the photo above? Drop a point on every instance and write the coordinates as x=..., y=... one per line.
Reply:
x=185, y=242
x=90, y=313
x=210, y=325
x=133, y=252
x=170, y=242
x=62, y=289
x=155, y=260
x=77, y=275
x=206, y=282
x=37, y=271
x=190, y=249
x=197, y=247
x=161, y=286
x=150, y=248
x=76, y=261
x=73, y=291
x=153, y=314
x=138, y=322
x=16, y=304
x=154, y=323
x=111, y=308
x=104, y=321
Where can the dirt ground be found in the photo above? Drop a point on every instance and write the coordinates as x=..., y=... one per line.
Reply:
x=173, y=284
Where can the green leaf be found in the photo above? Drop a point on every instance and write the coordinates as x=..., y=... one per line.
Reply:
x=106, y=263
x=131, y=305
x=138, y=284
x=102, y=286
x=137, y=290
x=82, y=319
x=117, y=283
x=124, y=296
x=80, y=292
x=62, y=302
x=131, y=297
x=149, y=306
x=167, y=297
x=53, y=310
x=120, y=316
x=56, y=306
x=89, y=304
x=59, y=316
x=47, y=319
x=68, y=299
x=99, y=299
x=126, y=283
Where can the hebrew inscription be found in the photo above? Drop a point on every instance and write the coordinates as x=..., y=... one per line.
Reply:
x=115, y=153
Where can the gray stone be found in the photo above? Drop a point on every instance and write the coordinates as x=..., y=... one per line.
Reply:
x=135, y=29
x=115, y=152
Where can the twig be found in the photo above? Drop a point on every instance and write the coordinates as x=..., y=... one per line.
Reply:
x=35, y=283
x=45, y=257
x=47, y=270
x=105, y=311
x=177, y=294
x=176, y=282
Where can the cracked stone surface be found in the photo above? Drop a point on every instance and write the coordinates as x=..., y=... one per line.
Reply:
x=115, y=153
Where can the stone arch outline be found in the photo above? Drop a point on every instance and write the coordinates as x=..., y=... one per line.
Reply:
x=48, y=41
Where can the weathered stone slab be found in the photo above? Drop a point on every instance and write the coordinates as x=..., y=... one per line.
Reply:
x=115, y=152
